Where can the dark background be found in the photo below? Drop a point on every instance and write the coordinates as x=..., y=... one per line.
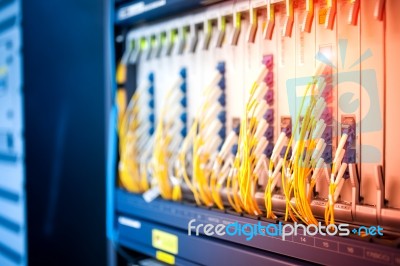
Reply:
x=65, y=107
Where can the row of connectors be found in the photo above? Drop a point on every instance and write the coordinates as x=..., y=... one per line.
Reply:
x=222, y=102
x=327, y=114
x=177, y=107
x=151, y=104
x=269, y=116
x=146, y=116
x=183, y=101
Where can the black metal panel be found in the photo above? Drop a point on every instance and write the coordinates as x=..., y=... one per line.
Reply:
x=318, y=249
x=146, y=10
x=65, y=131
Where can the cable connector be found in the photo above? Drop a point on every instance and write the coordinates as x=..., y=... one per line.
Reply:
x=221, y=67
x=268, y=60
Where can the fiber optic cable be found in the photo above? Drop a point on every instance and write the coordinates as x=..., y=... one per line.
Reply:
x=204, y=140
x=168, y=136
x=305, y=157
x=135, y=132
x=336, y=181
x=121, y=97
x=221, y=166
x=252, y=128
x=306, y=164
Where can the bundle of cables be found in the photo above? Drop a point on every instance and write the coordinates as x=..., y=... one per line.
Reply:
x=302, y=168
x=204, y=140
x=222, y=165
x=135, y=133
x=168, y=137
x=250, y=158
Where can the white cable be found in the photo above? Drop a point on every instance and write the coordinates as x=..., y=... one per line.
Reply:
x=317, y=149
x=318, y=113
x=278, y=146
x=147, y=151
x=230, y=140
x=213, y=96
x=211, y=146
x=144, y=99
x=227, y=166
x=261, y=145
x=232, y=171
x=318, y=129
x=143, y=87
x=213, y=83
x=212, y=130
x=339, y=181
x=143, y=130
x=277, y=168
x=261, y=109
x=261, y=128
x=259, y=164
x=172, y=114
x=341, y=144
x=142, y=142
x=261, y=91
x=176, y=127
x=211, y=114
x=321, y=131
x=175, y=97
x=318, y=106
x=340, y=174
x=338, y=189
x=321, y=151
x=296, y=146
x=262, y=73
x=326, y=173
x=175, y=143
x=318, y=168
x=338, y=161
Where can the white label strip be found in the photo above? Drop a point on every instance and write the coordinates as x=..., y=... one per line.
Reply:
x=129, y=222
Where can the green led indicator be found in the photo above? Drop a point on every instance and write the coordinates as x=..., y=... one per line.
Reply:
x=222, y=23
x=238, y=21
x=207, y=27
x=185, y=31
x=132, y=45
x=163, y=38
x=143, y=43
x=153, y=41
x=174, y=34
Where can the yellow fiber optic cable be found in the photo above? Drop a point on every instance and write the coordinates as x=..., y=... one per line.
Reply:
x=297, y=171
x=202, y=143
x=132, y=133
x=246, y=159
x=128, y=166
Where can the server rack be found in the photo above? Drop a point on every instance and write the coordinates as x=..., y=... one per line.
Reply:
x=134, y=223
